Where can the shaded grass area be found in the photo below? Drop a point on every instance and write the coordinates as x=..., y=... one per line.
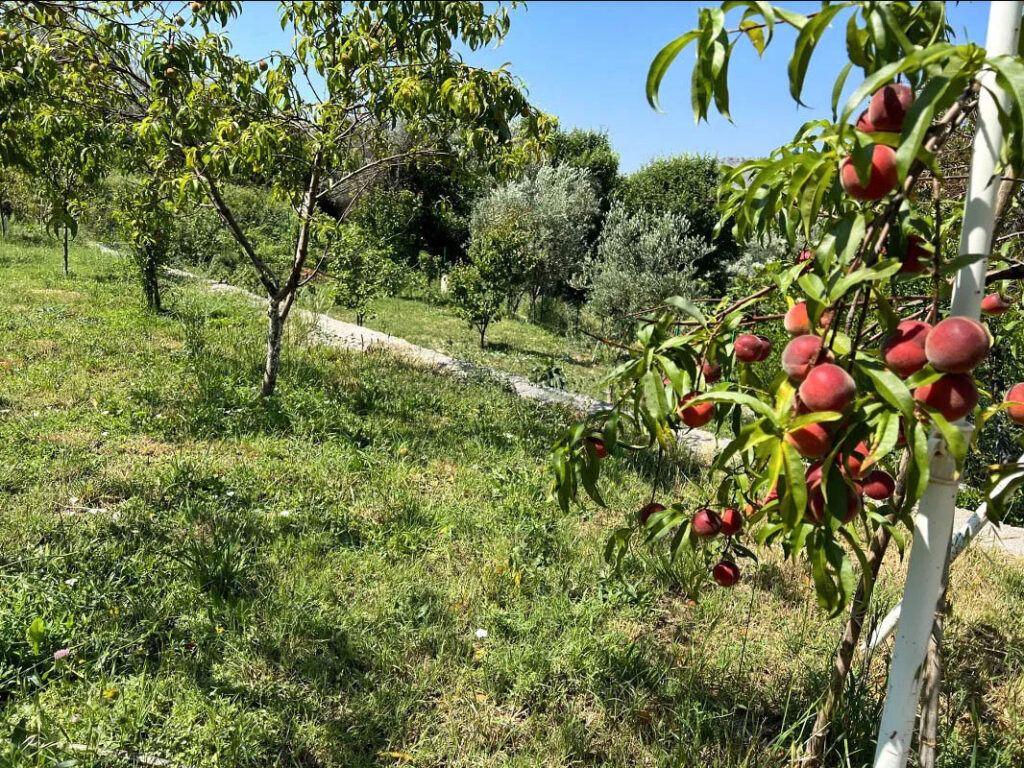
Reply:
x=301, y=582
x=513, y=345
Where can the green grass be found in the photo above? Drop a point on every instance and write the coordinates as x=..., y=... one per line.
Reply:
x=300, y=582
x=513, y=345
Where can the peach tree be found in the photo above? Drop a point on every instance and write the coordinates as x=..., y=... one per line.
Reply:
x=363, y=88
x=827, y=443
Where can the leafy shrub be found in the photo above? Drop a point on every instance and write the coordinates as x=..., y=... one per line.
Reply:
x=642, y=259
x=555, y=208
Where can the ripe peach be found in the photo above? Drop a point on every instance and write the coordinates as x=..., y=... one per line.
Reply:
x=916, y=258
x=750, y=348
x=706, y=523
x=853, y=461
x=954, y=395
x=957, y=345
x=828, y=388
x=732, y=521
x=726, y=573
x=599, y=447
x=712, y=372
x=696, y=415
x=766, y=349
x=816, y=506
x=812, y=441
x=995, y=304
x=802, y=354
x=1015, y=395
x=649, y=509
x=797, y=323
x=903, y=351
x=864, y=124
x=889, y=106
x=882, y=176
x=879, y=485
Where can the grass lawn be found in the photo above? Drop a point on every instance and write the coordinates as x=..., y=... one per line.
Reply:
x=513, y=345
x=304, y=582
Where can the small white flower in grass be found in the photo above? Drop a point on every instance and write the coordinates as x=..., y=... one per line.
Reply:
x=230, y=494
x=285, y=513
x=104, y=434
x=72, y=500
x=481, y=634
x=71, y=582
x=509, y=436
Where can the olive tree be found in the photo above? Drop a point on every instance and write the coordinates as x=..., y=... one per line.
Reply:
x=556, y=208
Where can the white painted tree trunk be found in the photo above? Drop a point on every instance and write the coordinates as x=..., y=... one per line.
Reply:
x=933, y=524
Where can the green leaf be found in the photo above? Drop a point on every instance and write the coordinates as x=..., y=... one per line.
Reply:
x=890, y=388
x=951, y=434
x=662, y=62
x=918, y=120
x=880, y=271
x=803, y=48
x=794, y=502
x=739, y=398
x=837, y=89
x=36, y=633
x=688, y=308
x=654, y=396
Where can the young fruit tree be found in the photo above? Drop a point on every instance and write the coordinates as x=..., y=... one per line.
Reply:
x=313, y=124
x=832, y=447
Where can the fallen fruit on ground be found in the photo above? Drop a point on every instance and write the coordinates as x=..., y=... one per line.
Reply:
x=957, y=345
x=882, y=176
x=954, y=395
x=726, y=573
x=706, y=523
x=903, y=351
x=828, y=388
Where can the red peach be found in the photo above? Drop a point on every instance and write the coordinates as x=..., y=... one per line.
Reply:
x=732, y=521
x=828, y=388
x=882, y=177
x=889, y=106
x=726, y=573
x=712, y=372
x=853, y=462
x=748, y=348
x=903, y=351
x=816, y=506
x=995, y=304
x=954, y=395
x=706, y=523
x=864, y=124
x=696, y=415
x=648, y=510
x=916, y=258
x=1015, y=395
x=797, y=323
x=879, y=485
x=802, y=354
x=599, y=447
x=812, y=441
x=957, y=345
x=766, y=349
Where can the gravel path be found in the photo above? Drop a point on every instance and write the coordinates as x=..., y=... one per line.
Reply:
x=703, y=446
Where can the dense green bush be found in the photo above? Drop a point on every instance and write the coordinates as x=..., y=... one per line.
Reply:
x=642, y=259
x=686, y=185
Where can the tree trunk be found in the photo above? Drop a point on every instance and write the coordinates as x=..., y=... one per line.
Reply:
x=275, y=325
x=151, y=284
x=814, y=749
x=65, y=250
x=483, y=333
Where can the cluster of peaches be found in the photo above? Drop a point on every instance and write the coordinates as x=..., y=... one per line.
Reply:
x=953, y=348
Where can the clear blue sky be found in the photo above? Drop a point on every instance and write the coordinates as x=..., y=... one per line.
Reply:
x=586, y=62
